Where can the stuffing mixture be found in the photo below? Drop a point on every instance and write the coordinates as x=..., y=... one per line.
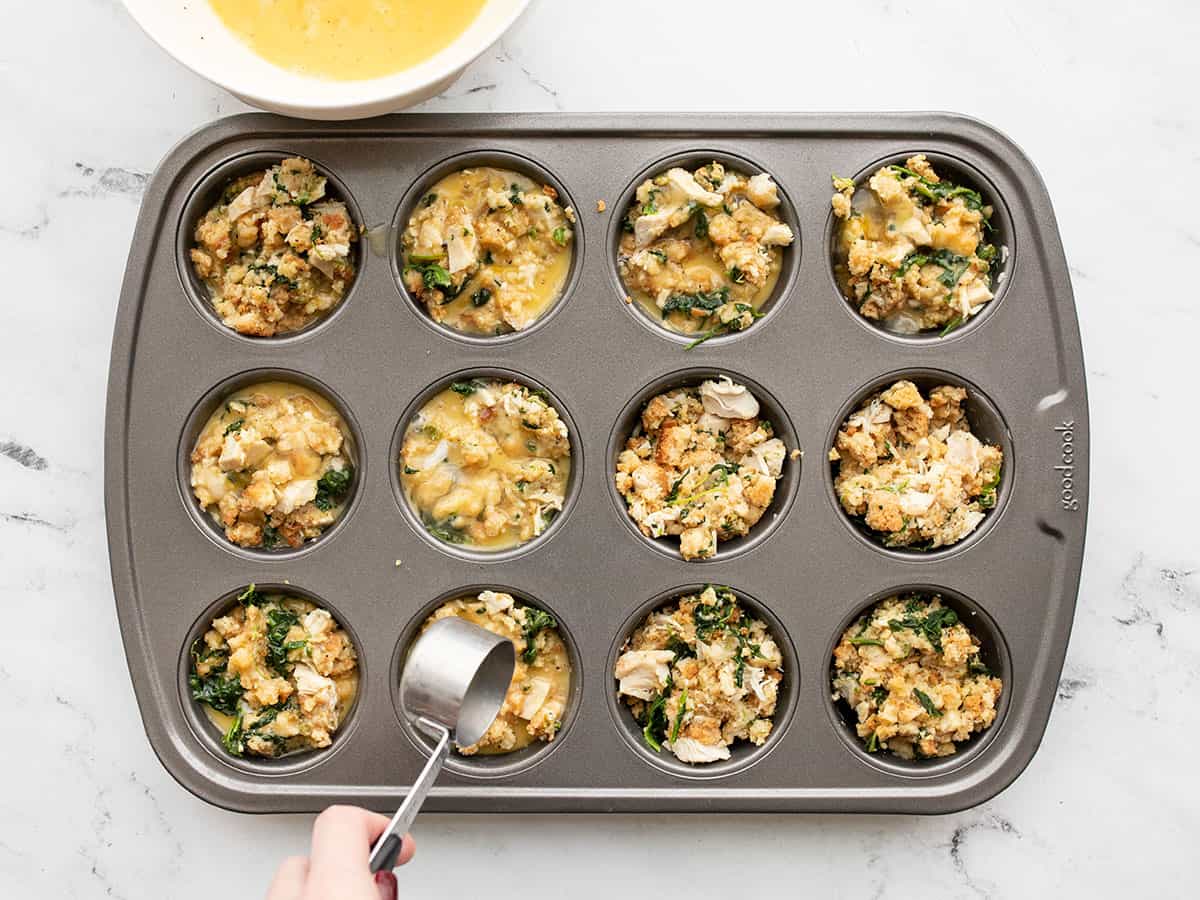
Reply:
x=486, y=463
x=911, y=672
x=702, y=250
x=272, y=465
x=914, y=248
x=488, y=250
x=702, y=466
x=910, y=467
x=699, y=674
x=274, y=252
x=276, y=675
x=541, y=684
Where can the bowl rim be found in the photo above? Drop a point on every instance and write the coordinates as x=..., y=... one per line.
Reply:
x=358, y=94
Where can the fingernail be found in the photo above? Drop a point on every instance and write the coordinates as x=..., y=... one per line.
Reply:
x=385, y=883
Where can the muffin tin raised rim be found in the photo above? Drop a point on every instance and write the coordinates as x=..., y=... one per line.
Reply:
x=977, y=401
x=1062, y=400
x=992, y=645
x=206, y=405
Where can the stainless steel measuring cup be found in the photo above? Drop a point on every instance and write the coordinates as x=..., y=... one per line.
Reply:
x=452, y=687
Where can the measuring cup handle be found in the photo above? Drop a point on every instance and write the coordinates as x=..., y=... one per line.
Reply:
x=391, y=842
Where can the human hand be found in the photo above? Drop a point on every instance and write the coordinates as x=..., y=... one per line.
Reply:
x=342, y=838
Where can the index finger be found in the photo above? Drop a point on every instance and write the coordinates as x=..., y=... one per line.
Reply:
x=341, y=845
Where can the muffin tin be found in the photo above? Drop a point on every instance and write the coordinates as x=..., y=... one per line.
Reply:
x=805, y=566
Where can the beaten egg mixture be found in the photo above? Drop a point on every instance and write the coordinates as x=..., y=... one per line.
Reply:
x=702, y=250
x=699, y=675
x=347, y=40
x=272, y=465
x=274, y=253
x=276, y=675
x=541, y=684
x=911, y=672
x=488, y=250
x=485, y=463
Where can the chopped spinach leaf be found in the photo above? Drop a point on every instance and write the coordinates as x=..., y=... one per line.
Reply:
x=251, y=596
x=279, y=622
x=535, y=621
x=233, y=740
x=332, y=487
x=926, y=701
x=930, y=625
x=680, y=711
x=654, y=723
x=219, y=690
x=707, y=301
x=934, y=191
x=680, y=648
x=950, y=326
x=977, y=667
x=433, y=276
x=444, y=531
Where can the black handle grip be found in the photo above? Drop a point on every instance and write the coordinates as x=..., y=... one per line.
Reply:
x=388, y=853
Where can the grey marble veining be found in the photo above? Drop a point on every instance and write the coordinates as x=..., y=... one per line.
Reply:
x=1100, y=96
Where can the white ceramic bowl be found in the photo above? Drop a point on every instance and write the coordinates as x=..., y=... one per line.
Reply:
x=191, y=32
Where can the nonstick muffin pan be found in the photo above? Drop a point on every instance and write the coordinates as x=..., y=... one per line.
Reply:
x=806, y=567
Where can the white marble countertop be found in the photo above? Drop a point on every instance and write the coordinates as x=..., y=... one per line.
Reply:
x=1098, y=97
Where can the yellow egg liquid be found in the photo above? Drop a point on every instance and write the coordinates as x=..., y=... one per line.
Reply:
x=347, y=40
